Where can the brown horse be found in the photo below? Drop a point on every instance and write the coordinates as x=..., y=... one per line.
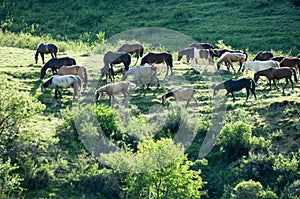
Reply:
x=158, y=58
x=111, y=58
x=56, y=63
x=194, y=54
x=45, y=49
x=291, y=62
x=74, y=70
x=263, y=56
x=138, y=49
x=277, y=73
x=231, y=57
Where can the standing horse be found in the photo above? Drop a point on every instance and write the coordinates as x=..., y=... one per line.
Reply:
x=194, y=54
x=74, y=70
x=56, y=63
x=188, y=93
x=65, y=81
x=277, y=73
x=158, y=58
x=263, y=56
x=111, y=58
x=231, y=57
x=219, y=53
x=259, y=65
x=291, y=62
x=138, y=49
x=236, y=85
x=45, y=49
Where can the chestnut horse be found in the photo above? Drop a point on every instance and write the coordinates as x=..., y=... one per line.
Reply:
x=231, y=57
x=291, y=62
x=74, y=70
x=263, y=56
x=111, y=58
x=138, y=49
x=45, y=49
x=277, y=73
x=158, y=58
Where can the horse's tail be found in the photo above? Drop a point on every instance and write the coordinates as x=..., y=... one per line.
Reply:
x=77, y=85
x=295, y=75
x=141, y=51
x=85, y=79
x=246, y=55
x=170, y=61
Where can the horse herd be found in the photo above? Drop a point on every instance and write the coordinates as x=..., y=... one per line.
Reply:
x=67, y=74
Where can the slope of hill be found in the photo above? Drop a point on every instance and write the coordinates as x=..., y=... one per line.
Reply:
x=256, y=25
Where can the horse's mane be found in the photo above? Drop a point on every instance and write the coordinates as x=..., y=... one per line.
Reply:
x=48, y=82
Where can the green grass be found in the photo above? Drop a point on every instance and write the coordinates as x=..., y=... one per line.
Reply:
x=254, y=25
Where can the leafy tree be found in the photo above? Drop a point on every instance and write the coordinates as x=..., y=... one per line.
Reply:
x=159, y=170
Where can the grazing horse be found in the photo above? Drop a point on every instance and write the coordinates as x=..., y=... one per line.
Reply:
x=140, y=72
x=263, y=56
x=158, y=58
x=114, y=88
x=138, y=49
x=181, y=94
x=259, y=65
x=111, y=58
x=108, y=72
x=202, y=45
x=194, y=54
x=291, y=62
x=65, y=81
x=56, y=63
x=74, y=70
x=219, y=53
x=231, y=57
x=45, y=49
x=277, y=73
x=277, y=58
x=236, y=85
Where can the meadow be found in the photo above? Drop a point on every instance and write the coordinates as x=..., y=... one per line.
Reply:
x=60, y=148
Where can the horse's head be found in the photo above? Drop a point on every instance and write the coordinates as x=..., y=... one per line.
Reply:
x=256, y=76
x=179, y=57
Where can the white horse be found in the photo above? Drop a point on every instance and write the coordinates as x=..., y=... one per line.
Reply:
x=114, y=88
x=259, y=65
x=180, y=94
x=140, y=72
x=65, y=81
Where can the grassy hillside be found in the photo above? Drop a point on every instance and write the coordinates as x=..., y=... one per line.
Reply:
x=63, y=167
x=254, y=25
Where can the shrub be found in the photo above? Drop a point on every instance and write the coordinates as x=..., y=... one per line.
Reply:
x=235, y=139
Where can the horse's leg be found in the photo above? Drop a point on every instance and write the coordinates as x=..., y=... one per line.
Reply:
x=137, y=57
x=42, y=56
x=276, y=84
x=52, y=55
x=292, y=83
x=233, y=96
x=187, y=103
x=287, y=81
x=247, y=94
x=195, y=101
x=270, y=85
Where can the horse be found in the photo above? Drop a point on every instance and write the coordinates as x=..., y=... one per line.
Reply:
x=277, y=73
x=236, y=85
x=74, y=70
x=259, y=65
x=219, y=53
x=263, y=56
x=201, y=45
x=65, y=81
x=277, y=58
x=140, y=72
x=56, y=63
x=111, y=58
x=45, y=49
x=114, y=88
x=293, y=62
x=194, y=54
x=138, y=49
x=179, y=95
x=231, y=57
x=108, y=72
x=158, y=58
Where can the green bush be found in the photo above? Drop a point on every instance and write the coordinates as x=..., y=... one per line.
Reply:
x=235, y=139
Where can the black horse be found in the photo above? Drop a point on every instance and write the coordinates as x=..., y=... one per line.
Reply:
x=45, y=49
x=158, y=58
x=263, y=56
x=237, y=85
x=111, y=58
x=56, y=63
